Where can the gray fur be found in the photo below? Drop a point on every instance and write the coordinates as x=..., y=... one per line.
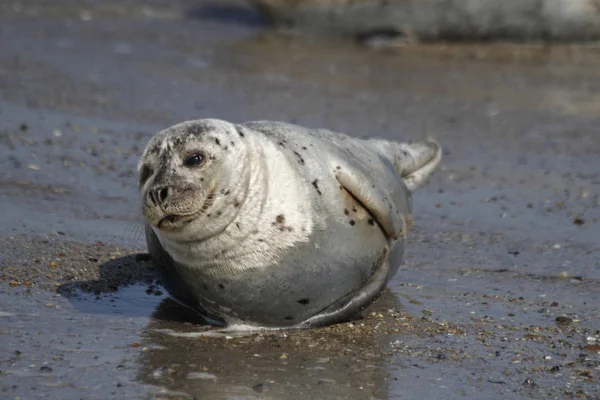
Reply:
x=314, y=256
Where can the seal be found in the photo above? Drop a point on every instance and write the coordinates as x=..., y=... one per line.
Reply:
x=268, y=224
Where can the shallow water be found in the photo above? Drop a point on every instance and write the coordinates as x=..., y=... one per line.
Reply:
x=499, y=295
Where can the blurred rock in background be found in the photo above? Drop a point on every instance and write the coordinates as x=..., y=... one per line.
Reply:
x=430, y=20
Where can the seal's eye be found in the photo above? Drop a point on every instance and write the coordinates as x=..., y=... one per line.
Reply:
x=194, y=160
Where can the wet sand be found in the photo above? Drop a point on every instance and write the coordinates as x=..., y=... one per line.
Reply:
x=499, y=296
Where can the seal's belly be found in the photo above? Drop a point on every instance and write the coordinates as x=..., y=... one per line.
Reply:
x=307, y=279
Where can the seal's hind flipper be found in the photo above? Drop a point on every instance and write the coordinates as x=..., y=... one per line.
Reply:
x=415, y=161
x=354, y=302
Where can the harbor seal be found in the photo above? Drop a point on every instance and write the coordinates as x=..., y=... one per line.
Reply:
x=268, y=224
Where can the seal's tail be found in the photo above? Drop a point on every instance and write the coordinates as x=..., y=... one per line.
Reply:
x=415, y=161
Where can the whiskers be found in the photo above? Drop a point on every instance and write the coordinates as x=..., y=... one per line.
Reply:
x=134, y=232
x=208, y=202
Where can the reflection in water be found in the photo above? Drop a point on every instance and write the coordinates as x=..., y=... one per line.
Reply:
x=328, y=363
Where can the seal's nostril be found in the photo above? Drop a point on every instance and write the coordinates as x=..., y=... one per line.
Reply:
x=159, y=196
x=151, y=196
x=163, y=194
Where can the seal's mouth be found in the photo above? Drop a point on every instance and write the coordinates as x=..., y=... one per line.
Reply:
x=174, y=221
x=169, y=221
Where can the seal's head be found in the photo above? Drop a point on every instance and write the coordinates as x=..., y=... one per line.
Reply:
x=192, y=179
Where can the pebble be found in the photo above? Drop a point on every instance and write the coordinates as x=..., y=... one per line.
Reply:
x=327, y=380
x=563, y=321
x=202, y=375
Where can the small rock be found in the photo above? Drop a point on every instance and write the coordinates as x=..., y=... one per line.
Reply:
x=327, y=380
x=579, y=221
x=260, y=387
x=529, y=382
x=563, y=321
x=202, y=375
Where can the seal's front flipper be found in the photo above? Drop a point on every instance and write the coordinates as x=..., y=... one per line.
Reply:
x=373, y=198
x=356, y=301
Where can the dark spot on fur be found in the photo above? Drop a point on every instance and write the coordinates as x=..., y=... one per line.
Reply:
x=304, y=148
x=212, y=158
x=208, y=215
x=240, y=133
x=221, y=286
x=199, y=129
x=232, y=144
x=217, y=141
x=352, y=222
x=404, y=153
x=225, y=148
x=281, y=144
x=371, y=222
x=201, y=179
x=300, y=159
x=226, y=192
x=261, y=240
x=346, y=212
x=237, y=224
x=338, y=167
x=236, y=203
x=341, y=187
x=289, y=318
x=304, y=301
x=353, y=209
x=205, y=287
x=315, y=184
x=280, y=223
x=219, y=213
